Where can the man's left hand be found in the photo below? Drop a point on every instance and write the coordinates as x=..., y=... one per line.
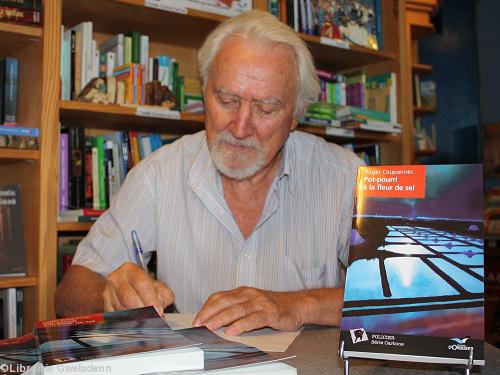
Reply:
x=244, y=309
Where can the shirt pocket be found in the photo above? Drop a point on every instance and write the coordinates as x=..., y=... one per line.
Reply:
x=307, y=277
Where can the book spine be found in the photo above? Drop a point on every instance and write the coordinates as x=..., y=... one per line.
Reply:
x=77, y=146
x=95, y=176
x=63, y=173
x=88, y=173
x=2, y=78
x=136, y=47
x=9, y=313
x=27, y=16
x=23, y=4
x=128, y=50
x=19, y=312
x=377, y=8
x=11, y=81
x=101, y=172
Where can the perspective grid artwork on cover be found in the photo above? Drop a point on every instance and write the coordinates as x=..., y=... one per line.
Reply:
x=415, y=282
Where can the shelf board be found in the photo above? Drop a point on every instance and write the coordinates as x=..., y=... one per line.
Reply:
x=360, y=136
x=161, y=26
x=343, y=59
x=115, y=117
x=74, y=227
x=422, y=69
x=421, y=111
x=17, y=281
x=14, y=155
x=14, y=36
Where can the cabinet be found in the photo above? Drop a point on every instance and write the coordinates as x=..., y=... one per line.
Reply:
x=418, y=25
x=170, y=33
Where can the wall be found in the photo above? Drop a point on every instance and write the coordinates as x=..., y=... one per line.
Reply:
x=453, y=55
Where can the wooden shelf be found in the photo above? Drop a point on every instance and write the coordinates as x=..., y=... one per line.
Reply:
x=421, y=69
x=360, y=136
x=115, y=117
x=111, y=16
x=74, y=227
x=14, y=36
x=421, y=111
x=343, y=59
x=17, y=281
x=14, y=155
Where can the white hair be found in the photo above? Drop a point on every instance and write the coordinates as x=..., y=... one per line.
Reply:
x=264, y=27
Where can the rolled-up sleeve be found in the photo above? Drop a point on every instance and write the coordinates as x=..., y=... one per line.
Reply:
x=109, y=243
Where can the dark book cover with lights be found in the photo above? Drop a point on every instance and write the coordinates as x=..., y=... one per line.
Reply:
x=415, y=282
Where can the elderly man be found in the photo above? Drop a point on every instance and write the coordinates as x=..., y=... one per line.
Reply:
x=250, y=220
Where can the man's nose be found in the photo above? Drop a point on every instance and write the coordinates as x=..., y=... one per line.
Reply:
x=242, y=125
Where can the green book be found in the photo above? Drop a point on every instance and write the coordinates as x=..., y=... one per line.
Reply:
x=136, y=46
x=128, y=50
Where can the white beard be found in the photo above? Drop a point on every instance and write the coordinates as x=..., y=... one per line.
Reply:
x=224, y=158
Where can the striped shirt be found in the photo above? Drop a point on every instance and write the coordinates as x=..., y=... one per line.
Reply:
x=174, y=200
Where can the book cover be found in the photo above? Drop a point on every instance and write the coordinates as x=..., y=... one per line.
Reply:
x=118, y=337
x=414, y=286
x=227, y=8
x=12, y=257
x=224, y=354
x=9, y=313
x=353, y=21
x=19, y=15
x=17, y=355
x=10, y=89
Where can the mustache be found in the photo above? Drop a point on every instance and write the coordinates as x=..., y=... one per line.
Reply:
x=226, y=137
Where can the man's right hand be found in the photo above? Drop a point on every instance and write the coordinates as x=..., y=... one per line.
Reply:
x=129, y=286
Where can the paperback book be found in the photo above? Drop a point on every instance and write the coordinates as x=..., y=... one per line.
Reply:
x=123, y=342
x=18, y=355
x=415, y=281
x=12, y=257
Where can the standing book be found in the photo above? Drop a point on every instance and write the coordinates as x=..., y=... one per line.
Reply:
x=414, y=288
x=131, y=342
x=12, y=257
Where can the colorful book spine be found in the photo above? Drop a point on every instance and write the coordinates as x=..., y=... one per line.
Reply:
x=23, y=4
x=27, y=16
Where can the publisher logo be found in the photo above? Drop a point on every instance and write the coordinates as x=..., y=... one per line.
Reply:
x=358, y=335
x=460, y=344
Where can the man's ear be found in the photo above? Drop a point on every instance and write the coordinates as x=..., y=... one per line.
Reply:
x=294, y=123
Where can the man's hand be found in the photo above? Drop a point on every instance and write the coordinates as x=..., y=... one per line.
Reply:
x=245, y=309
x=129, y=286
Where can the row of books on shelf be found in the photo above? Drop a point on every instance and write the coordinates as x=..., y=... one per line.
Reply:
x=11, y=312
x=353, y=21
x=21, y=11
x=376, y=93
x=120, y=70
x=92, y=168
x=131, y=342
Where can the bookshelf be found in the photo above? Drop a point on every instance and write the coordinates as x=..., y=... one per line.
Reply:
x=418, y=25
x=178, y=35
x=23, y=167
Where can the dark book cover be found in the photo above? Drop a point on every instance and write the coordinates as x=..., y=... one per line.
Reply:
x=12, y=257
x=17, y=355
x=104, y=335
x=76, y=167
x=2, y=79
x=415, y=282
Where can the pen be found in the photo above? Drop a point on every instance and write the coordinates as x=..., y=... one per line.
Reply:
x=138, y=250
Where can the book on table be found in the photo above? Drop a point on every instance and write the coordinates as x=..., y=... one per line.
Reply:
x=415, y=281
x=132, y=342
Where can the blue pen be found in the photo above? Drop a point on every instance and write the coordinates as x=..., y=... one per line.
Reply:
x=138, y=250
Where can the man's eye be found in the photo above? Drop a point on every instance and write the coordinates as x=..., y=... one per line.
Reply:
x=228, y=102
x=265, y=109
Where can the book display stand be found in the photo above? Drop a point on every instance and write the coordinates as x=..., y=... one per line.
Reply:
x=345, y=360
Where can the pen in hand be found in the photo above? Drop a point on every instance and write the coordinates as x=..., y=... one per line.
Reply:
x=139, y=251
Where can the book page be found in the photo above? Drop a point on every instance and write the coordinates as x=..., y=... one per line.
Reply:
x=265, y=339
